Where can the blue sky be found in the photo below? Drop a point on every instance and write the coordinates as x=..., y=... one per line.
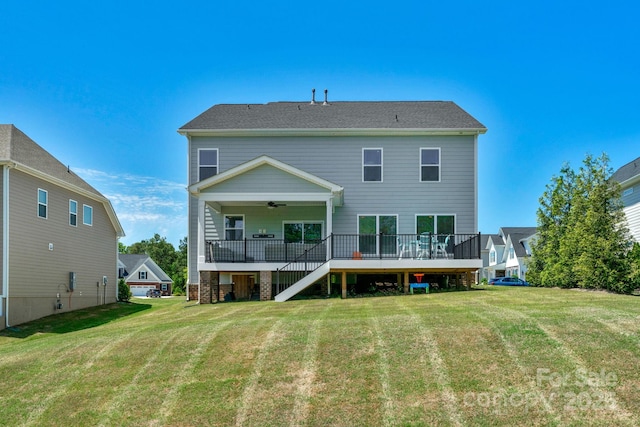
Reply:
x=104, y=87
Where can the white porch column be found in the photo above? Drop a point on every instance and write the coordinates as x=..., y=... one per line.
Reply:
x=201, y=205
x=329, y=222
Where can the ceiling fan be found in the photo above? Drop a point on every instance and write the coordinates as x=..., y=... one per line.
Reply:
x=273, y=205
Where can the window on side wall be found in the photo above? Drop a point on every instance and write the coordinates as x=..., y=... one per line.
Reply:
x=372, y=164
x=234, y=227
x=43, y=203
x=87, y=215
x=73, y=213
x=430, y=165
x=207, y=163
x=165, y=287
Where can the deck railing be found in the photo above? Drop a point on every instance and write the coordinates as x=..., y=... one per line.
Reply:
x=424, y=246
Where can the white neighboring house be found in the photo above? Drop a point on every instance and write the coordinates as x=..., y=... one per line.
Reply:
x=141, y=273
x=508, y=252
x=629, y=178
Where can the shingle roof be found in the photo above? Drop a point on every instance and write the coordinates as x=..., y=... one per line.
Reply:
x=20, y=150
x=427, y=115
x=627, y=171
x=134, y=261
x=517, y=234
x=17, y=147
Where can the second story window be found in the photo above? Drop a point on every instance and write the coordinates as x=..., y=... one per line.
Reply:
x=207, y=163
x=73, y=213
x=234, y=227
x=429, y=164
x=492, y=257
x=43, y=199
x=512, y=253
x=142, y=275
x=372, y=164
x=87, y=215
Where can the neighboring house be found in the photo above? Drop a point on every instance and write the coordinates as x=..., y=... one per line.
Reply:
x=484, y=273
x=141, y=273
x=59, y=235
x=286, y=194
x=509, y=251
x=629, y=178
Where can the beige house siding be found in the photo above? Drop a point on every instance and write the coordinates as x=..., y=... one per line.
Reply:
x=44, y=251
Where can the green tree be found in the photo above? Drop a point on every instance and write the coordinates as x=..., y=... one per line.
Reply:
x=547, y=267
x=179, y=276
x=172, y=262
x=124, y=293
x=122, y=248
x=582, y=237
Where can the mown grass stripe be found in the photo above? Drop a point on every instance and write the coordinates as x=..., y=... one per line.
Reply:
x=383, y=373
x=306, y=378
x=115, y=406
x=185, y=374
x=249, y=394
x=618, y=412
x=438, y=367
x=37, y=412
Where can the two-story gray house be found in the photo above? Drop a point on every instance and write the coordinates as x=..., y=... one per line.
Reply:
x=287, y=194
x=59, y=235
x=629, y=178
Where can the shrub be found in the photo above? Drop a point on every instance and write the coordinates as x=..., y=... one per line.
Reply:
x=124, y=293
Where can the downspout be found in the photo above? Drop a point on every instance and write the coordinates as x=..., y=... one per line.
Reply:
x=5, y=241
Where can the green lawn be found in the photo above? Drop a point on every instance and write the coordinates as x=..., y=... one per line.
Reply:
x=489, y=357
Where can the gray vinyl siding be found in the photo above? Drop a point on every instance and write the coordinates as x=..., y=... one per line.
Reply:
x=339, y=160
x=1, y=233
x=90, y=251
x=265, y=178
x=632, y=212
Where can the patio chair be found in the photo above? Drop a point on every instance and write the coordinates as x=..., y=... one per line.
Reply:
x=403, y=248
x=424, y=246
x=441, y=248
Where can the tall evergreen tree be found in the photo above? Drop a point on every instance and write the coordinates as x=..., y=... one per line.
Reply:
x=547, y=267
x=582, y=236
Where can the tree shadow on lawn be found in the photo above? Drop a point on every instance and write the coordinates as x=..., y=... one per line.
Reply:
x=76, y=320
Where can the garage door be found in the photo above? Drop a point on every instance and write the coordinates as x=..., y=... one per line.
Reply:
x=140, y=290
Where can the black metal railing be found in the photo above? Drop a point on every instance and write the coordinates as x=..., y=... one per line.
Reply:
x=424, y=246
x=300, y=267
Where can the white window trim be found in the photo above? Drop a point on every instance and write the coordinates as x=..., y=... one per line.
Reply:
x=381, y=164
x=439, y=163
x=377, y=227
x=435, y=222
x=141, y=273
x=73, y=213
x=45, y=204
x=244, y=225
x=303, y=222
x=217, y=165
x=84, y=221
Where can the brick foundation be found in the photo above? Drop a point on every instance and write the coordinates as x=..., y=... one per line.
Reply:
x=192, y=292
x=208, y=285
x=265, y=285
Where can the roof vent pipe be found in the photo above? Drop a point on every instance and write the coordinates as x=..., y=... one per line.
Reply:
x=313, y=96
x=325, y=97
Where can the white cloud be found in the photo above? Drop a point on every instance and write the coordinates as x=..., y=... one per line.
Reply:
x=145, y=205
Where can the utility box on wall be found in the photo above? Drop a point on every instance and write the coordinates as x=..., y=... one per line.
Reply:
x=72, y=281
